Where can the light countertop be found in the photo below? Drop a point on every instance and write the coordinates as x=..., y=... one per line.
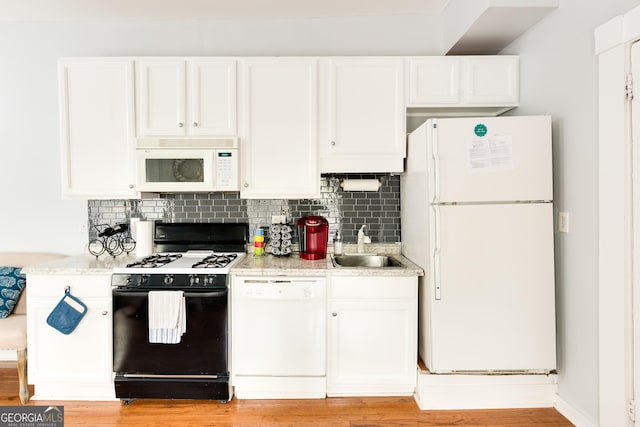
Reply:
x=80, y=264
x=291, y=265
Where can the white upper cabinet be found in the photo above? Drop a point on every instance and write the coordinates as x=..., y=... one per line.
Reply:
x=295, y=117
x=186, y=97
x=466, y=84
x=212, y=96
x=491, y=80
x=279, y=128
x=363, y=115
x=96, y=97
x=434, y=80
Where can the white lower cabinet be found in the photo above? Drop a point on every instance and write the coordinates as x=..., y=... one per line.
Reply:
x=78, y=365
x=372, y=336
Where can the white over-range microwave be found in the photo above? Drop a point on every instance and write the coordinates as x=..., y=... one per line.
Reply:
x=187, y=165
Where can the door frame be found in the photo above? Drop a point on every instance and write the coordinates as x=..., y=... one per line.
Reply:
x=616, y=206
x=634, y=291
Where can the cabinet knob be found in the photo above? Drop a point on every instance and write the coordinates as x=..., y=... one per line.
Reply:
x=105, y=312
x=180, y=125
x=334, y=314
x=195, y=124
x=333, y=143
x=131, y=186
x=246, y=185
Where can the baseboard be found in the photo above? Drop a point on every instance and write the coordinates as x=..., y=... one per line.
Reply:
x=8, y=356
x=249, y=387
x=74, y=391
x=570, y=413
x=464, y=391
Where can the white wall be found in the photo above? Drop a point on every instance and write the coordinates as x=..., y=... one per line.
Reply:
x=559, y=76
x=33, y=217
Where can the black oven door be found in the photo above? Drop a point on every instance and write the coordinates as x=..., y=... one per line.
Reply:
x=202, y=350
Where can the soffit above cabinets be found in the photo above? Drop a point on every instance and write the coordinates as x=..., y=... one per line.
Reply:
x=486, y=27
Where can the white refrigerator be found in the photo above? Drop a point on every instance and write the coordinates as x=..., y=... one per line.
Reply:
x=477, y=216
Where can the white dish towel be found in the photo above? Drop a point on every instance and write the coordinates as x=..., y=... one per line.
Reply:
x=167, y=316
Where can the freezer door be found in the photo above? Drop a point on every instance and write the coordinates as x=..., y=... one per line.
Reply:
x=496, y=310
x=489, y=159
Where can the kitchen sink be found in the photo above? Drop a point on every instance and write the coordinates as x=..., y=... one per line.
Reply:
x=359, y=261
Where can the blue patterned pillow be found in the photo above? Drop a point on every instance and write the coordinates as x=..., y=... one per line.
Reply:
x=12, y=283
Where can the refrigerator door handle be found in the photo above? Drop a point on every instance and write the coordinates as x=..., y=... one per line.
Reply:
x=436, y=164
x=436, y=253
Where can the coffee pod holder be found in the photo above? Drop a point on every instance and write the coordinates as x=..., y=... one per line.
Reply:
x=280, y=237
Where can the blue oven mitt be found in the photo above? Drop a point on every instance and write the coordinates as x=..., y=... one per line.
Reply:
x=67, y=313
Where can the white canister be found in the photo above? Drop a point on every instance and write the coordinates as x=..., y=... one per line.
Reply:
x=144, y=238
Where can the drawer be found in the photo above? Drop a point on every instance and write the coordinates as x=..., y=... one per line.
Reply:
x=89, y=286
x=373, y=287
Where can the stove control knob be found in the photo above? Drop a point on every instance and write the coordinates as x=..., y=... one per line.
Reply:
x=194, y=280
x=144, y=279
x=129, y=280
x=168, y=279
x=210, y=280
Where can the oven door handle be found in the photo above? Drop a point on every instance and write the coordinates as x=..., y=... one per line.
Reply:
x=205, y=294
x=137, y=293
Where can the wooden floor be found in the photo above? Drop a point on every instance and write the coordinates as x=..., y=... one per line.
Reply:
x=338, y=412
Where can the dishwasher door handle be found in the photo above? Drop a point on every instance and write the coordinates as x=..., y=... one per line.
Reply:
x=281, y=281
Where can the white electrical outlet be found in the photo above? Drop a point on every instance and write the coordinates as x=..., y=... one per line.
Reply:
x=563, y=222
x=278, y=219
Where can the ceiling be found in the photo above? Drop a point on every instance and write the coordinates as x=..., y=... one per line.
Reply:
x=470, y=26
x=73, y=10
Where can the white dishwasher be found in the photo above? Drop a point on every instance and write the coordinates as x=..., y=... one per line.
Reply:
x=278, y=337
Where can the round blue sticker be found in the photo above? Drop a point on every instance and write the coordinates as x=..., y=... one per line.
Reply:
x=480, y=130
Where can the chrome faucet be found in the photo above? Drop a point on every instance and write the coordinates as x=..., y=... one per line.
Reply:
x=362, y=239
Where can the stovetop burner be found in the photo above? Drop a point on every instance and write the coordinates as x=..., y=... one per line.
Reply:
x=182, y=263
x=155, y=260
x=215, y=261
x=193, y=256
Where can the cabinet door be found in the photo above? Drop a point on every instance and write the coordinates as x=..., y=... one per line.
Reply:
x=279, y=132
x=372, y=348
x=491, y=80
x=97, y=127
x=84, y=356
x=212, y=97
x=434, y=81
x=161, y=97
x=365, y=116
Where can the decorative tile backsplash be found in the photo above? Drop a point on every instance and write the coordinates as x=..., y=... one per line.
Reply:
x=379, y=210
